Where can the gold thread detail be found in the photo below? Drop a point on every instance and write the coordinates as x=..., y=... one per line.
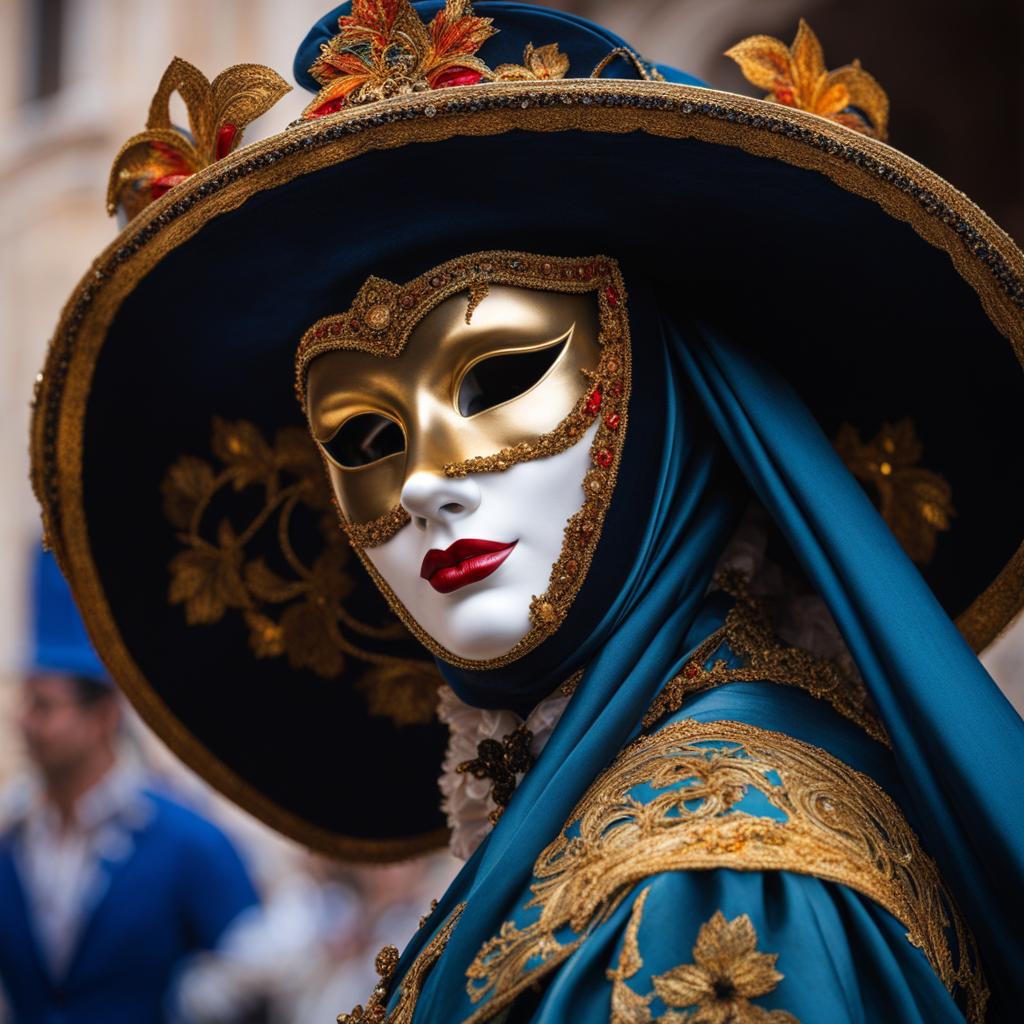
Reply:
x=375, y=1011
x=646, y=71
x=796, y=76
x=749, y=634
x=384, y=49
x=727, y=972
x=916, y=503
x=831, y=822
x=154, y=161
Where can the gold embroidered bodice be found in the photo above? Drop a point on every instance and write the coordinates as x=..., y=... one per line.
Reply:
x=694, y=796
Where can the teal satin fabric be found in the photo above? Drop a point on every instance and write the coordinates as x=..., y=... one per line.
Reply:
x=844, y=960
x=958, y=744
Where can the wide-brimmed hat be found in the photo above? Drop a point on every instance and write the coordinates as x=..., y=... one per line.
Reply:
x=180, y=489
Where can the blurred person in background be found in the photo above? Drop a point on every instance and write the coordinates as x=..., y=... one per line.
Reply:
x=309, y=948
x=106, y=886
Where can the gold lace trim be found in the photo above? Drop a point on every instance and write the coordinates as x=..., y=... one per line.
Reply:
x=748, y=633
x=726, y=974
x=834, y=823
x=375, y=1011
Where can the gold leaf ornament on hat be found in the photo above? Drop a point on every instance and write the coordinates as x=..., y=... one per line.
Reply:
x=796, y=76
x=384, y=49
x=154, y=161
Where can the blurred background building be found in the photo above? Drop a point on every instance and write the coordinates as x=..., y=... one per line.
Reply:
x=76, y=79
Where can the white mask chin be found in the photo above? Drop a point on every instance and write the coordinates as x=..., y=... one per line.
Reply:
x=528, y=505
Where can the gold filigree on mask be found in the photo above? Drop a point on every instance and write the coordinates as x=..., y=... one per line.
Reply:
x=420, y=386
x=297, y=609
x=347, y=367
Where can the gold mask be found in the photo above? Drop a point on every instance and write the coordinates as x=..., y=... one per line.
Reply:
x=482, y=363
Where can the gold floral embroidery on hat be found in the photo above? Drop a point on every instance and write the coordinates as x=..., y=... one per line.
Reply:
x=297, y=608
x=796, y=76
x=727, y=972
x=384, y=49
x=917, y=503
x=163, y=155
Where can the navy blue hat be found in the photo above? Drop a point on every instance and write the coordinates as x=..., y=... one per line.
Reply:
x=168, y=446
x=60, y=643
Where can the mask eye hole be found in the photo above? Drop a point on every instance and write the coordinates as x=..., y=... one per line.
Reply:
x=501, y=378
x=365, y=439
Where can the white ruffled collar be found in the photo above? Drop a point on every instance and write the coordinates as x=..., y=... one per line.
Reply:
x=467, y=801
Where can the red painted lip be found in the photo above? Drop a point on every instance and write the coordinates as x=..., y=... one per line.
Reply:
x=464, y=562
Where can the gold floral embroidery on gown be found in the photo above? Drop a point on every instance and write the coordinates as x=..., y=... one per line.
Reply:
x=727, y=973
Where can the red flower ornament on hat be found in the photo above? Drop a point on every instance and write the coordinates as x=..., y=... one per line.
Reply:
x=384, y=49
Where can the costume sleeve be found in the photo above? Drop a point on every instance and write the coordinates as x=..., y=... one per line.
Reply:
x=215, y=885
x=770, y=947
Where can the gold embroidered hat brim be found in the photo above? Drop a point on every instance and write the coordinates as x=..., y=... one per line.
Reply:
x=528, y=117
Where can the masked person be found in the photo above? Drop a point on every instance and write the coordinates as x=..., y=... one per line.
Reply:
x=106, y=886
x=577, y=336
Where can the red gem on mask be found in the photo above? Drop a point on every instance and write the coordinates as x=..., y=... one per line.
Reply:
x=594, y=402
x=603, y=458
x=691, y=670
x=612, y=421
x=612, y=295
x=617, y=388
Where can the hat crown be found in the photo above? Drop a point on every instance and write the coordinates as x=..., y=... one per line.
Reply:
x=361, y=52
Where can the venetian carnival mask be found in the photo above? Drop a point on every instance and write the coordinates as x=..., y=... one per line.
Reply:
x=472, y=423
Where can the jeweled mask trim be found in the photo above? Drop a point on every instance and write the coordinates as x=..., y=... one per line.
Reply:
x=380, y=321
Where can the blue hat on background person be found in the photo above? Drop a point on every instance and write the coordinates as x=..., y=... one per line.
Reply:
x=59, y=642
